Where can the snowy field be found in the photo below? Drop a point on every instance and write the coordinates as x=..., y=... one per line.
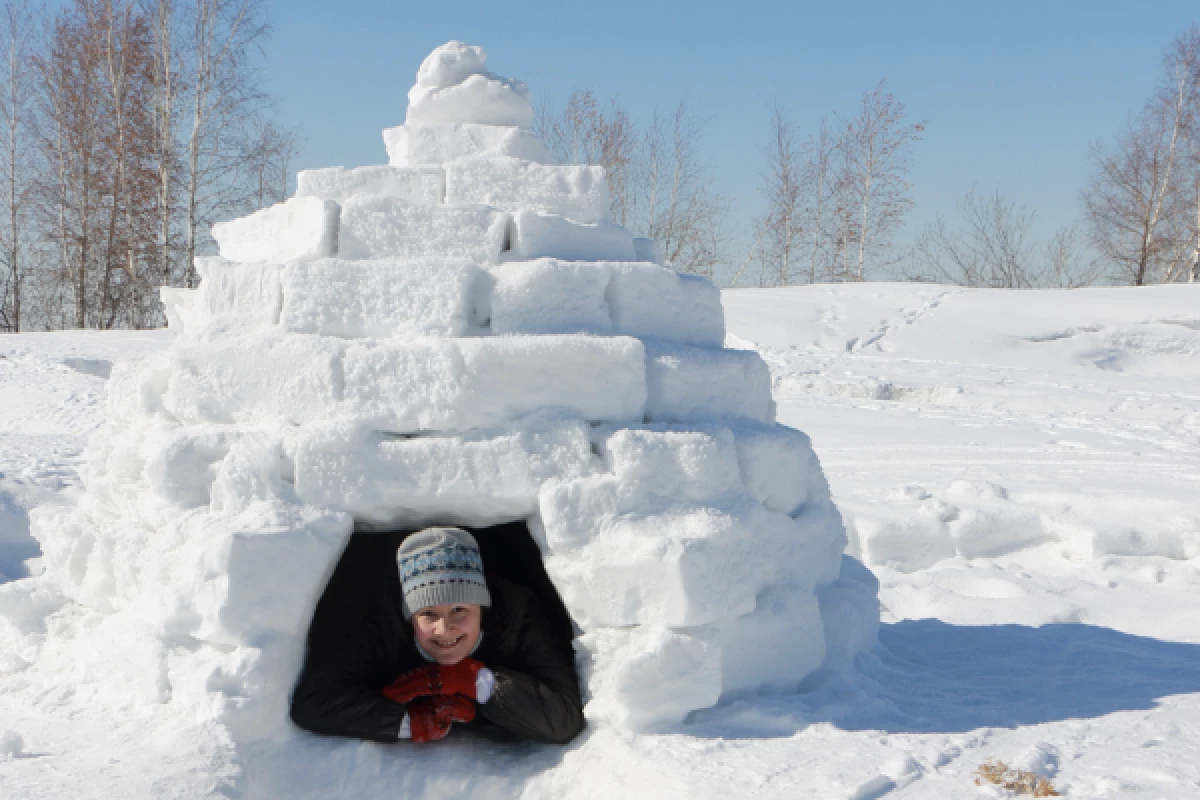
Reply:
x=1020, y=470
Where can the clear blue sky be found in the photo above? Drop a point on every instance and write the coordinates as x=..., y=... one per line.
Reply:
x=1013, y=92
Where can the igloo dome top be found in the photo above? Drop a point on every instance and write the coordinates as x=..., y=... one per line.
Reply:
x=453, y=86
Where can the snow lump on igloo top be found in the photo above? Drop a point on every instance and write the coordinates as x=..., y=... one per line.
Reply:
x=461, y=336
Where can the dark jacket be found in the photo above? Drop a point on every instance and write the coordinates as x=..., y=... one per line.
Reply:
x=537, y=689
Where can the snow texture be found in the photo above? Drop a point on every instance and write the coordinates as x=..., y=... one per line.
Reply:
x=700, y=383
x=579, y=193
x=453, y=86
x=536, y=235
x=483, y=477
x=421, y=145
x=653, y=302
x=420, y=186
x=380, y=299
x=375, y=227
x=298, y=229
x=550, y=296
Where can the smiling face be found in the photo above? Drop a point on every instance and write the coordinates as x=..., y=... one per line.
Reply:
x=448, y=632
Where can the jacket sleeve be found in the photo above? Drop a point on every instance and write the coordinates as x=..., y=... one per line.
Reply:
x=339, y=692
x=537, y=697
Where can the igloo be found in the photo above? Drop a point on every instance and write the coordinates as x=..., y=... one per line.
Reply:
x=461, y=336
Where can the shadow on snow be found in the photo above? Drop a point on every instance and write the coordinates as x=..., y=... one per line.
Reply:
x=927, y=676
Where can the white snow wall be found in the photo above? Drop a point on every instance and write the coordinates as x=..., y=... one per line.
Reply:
x=380, y=347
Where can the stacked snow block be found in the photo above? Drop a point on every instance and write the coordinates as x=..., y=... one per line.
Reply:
x=460, y=336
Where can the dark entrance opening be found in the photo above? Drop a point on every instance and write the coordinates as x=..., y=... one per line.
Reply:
x=366, y=576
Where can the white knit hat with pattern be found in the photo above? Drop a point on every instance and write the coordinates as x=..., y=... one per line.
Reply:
x=441, y=565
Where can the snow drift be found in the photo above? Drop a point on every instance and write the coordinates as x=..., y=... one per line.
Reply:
x=462, y=337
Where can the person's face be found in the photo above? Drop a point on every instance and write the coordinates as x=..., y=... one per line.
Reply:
x=448, y=632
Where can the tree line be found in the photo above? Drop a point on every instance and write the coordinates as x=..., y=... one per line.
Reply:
x=836, y=199
x=126, y=128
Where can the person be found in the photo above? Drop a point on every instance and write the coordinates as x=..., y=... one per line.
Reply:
x=456, y=648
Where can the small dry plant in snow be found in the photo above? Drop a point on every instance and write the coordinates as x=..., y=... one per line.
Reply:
x=1021, y=781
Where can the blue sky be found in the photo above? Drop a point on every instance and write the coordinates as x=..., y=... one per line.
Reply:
x=1013, y=92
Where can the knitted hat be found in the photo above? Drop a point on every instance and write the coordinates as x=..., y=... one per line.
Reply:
x=441, y=565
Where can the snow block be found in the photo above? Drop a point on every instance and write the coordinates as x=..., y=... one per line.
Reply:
x=180, y=307
x=180, y=462
x=916, y=529
x=649, y=250
x=206, y=580
x=241, y=296
x=694, y=383
x=418, y=145
x=989, y=523
x=653, y=302
x=660, y=467
x=246, y=689
x=680, y=568
x=260, y=376
x=647, y=678
x=549, y=296
x=779, y=467
x=482, y=382
x=298, y=229
x=670, y=536
x=850, y=614
x=379, y=298
x=579, y=193
x=453, y=86
x=479, y=478
x=419, y=186
x=136, y=388
x=384, y=227
x=549, y=236
x=776, y=646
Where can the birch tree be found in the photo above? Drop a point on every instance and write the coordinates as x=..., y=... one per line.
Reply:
x=781, y=227
x=876, y=146
x=16, y=42
x=590, y=132
x=661, y=186
x=677, y=203
x=224, y=95
x=994, y=245
x=1143, y=202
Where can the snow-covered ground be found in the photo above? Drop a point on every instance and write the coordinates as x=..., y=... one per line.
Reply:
x=1020, y=470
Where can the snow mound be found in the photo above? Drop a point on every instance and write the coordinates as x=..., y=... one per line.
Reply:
x=384, y=349
x=453, y=86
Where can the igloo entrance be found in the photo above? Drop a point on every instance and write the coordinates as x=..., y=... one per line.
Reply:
x=365, y=576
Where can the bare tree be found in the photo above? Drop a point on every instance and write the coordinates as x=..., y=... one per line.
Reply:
x=807, y=226
x=271, y=151
x=586, y=132
x=876, y=144
x=994, y=246
x=660, y=186
x=224, y=95
x=16, y=39
x=167, y=87
x=1142, y=205
x=676, y=203
x=781, y=227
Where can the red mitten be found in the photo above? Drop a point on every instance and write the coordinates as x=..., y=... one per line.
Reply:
x=424, y=721
x=417, y=683
x=459, y=678
x=453, y=708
